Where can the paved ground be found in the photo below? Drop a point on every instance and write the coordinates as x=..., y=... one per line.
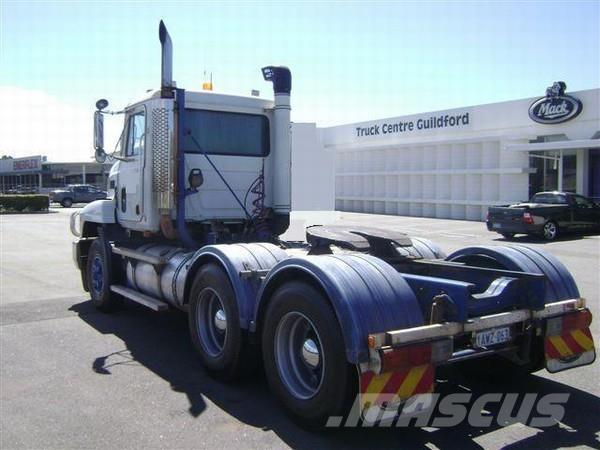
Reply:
x=75, y=378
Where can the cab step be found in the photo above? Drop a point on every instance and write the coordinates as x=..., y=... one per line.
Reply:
x=143, y=299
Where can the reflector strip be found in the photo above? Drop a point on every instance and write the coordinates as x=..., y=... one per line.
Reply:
x=410, y=382
x=583, y=338
x=378, y=383
x=560, y=345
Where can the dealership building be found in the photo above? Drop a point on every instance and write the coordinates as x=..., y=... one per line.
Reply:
x=456, y=163
x=36, y=174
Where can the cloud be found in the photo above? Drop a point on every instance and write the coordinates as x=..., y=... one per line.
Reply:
x=35, y=123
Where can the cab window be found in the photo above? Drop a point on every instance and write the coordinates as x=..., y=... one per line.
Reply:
x=136, y=134
x=226, y=133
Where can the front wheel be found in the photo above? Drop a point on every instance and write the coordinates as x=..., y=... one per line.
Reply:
x=99, y=278
x=66, y=203
x=304, y=355
x=550, y=231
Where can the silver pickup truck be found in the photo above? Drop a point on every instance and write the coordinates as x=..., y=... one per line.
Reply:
x=546, y=214
x=76, y=193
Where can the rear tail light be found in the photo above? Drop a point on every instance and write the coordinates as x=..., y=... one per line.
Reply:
x=394, y=359
x=487, y=217
x=574, y=321
x=527, y=218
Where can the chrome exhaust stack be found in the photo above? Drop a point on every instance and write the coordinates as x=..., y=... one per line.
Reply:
x=282, y=157
x=166, y=67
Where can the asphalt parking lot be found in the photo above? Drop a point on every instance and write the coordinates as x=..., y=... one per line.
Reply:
x=71, y=377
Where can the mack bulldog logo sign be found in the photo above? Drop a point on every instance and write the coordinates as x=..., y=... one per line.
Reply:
x=556, y=106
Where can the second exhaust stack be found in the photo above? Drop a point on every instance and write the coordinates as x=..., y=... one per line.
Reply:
x=282, y=158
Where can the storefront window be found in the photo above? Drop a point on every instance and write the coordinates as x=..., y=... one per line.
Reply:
x=545, y=177
x=569, y=173
x=546, y=172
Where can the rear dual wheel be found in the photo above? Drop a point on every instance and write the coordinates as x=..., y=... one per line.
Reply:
x=303, y=355
x=302, y=346
x=214, y=323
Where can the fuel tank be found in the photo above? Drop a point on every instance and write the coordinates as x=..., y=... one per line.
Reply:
x=165, y=284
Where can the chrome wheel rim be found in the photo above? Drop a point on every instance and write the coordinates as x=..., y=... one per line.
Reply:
x=550, y=230
x=211, y=322
x=299, y=355
x=97, y=275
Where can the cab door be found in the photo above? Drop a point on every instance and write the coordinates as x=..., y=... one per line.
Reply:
x=128, y=192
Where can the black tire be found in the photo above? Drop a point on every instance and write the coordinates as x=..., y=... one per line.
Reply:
x=336, y=381
x=99, y=278
x=508, y=235
x=66, y=202
x=550, y=231
x=223, y=358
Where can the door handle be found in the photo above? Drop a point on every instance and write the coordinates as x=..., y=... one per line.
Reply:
x=123, y=199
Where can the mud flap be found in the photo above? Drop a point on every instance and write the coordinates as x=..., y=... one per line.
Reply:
x=571, y=348
x=382, y=396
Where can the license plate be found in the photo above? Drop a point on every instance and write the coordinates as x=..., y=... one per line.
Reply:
x=491, y=337
x=496, y=225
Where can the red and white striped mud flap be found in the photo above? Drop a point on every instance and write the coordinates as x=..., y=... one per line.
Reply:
x=389, y=390
x=570, y=348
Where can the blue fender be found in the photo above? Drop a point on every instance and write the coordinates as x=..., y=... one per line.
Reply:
x=427, y=248
x=559, y=284
x=234, y=258
x=367, y=295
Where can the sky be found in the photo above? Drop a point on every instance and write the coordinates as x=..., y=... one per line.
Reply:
x=351, y=61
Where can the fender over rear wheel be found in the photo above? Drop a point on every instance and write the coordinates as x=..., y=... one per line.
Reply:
x=304, y=355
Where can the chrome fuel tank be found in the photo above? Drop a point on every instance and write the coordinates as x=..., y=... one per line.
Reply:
x=165, y=283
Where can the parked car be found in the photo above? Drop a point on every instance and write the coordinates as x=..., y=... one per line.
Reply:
x=76, y=193
x=547, y=214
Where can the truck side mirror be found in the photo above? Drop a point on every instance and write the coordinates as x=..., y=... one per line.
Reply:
x=100, y=155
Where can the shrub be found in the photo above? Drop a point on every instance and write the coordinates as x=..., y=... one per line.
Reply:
x=24, y=202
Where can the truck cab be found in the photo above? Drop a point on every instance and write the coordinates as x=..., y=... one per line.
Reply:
x=226, y=138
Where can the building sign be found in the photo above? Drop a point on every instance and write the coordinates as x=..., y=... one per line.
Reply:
x=556, y=106
x=426, y=123
x=26, y=164
x=21, y=165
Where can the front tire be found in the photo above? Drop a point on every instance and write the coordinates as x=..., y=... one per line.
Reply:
x=66, y=203
x=99, y=278
x=304, y=355
x=550, y=231
x=214, y=323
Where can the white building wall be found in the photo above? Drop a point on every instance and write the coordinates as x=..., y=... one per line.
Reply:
x=445, y=172
x=313, y=180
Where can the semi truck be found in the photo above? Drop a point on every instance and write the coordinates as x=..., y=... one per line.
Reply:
x=353, y=317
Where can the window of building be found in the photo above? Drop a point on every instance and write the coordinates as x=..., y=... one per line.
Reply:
x=226, y=133
x=569, y=176
x=546, y=172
